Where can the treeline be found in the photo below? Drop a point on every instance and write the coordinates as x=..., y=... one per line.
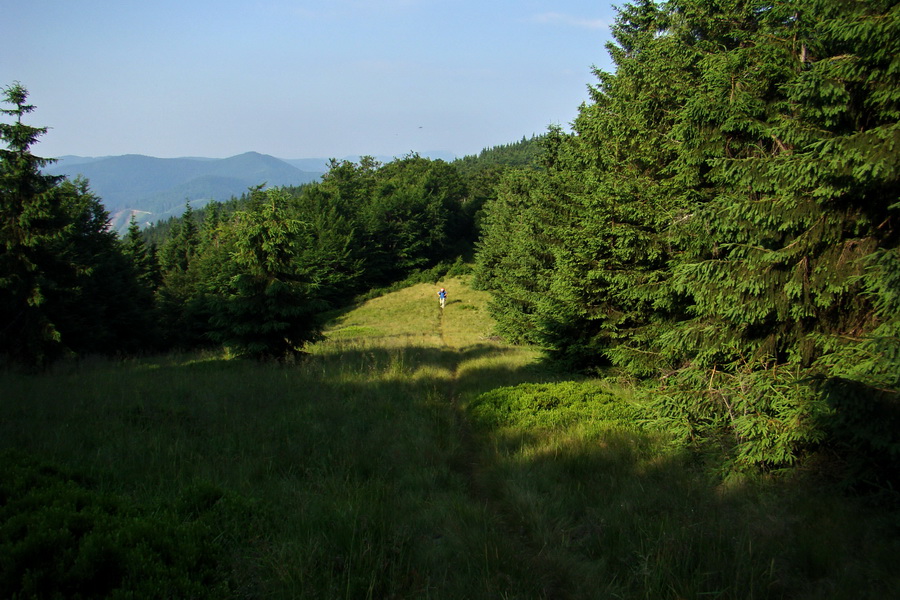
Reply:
x=254, y=274
x=722, y=223
x=524, y=154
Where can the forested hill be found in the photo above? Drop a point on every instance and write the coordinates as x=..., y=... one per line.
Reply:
x=155, y=188
x=479, y=173
x=525, y=153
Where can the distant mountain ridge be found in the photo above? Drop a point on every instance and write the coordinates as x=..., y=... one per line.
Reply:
x=157, y=188
x=153, y=188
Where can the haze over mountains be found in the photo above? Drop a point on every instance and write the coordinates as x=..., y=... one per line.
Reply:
x=157, y=188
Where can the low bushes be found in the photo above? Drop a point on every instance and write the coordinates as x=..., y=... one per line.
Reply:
x=552, y=405
x=62, y=539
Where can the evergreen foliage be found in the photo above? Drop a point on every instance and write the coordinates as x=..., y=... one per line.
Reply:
x=65, y=285
x=526, y=153
x=142, y=256
x=794, y=118
x=406, y=214
x=484, y=172
x=266, y=305
x=722, y=220
x=31, y=217
x=96, y=298
x=183, y=306
x=515, y=259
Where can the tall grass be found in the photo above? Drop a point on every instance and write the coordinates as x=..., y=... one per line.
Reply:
x=411, y=455
x=623, y=514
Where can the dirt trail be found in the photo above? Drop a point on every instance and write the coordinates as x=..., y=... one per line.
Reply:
x=472, y=466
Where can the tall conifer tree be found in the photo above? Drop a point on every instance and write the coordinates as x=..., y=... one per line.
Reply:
x=31, y=217
x=728, y=220
x=65, y=284
x=269, y=307
x=796, y=113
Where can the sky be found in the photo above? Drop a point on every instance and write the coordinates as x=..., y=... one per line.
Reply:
x=297, y=78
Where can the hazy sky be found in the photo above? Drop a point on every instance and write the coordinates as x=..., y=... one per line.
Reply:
x=296, y=78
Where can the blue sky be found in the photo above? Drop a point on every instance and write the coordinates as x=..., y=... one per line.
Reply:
x=296, y=78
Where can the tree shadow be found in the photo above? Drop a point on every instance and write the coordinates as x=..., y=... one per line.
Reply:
x=596, y=511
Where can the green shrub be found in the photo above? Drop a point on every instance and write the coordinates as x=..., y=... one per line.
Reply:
x=767, y=420
x=61, y=539
x=459, y=268
x=552, y=405
x=444, y=269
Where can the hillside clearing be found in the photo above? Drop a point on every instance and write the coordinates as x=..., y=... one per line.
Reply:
x=410, y=455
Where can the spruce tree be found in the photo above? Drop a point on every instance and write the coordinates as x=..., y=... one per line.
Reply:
x=336, y=249
x=613, y=248
x=608, y=195
x=142, y=257
x=723, y=217
x=65, y=285
x=31, y=217
x=183, y=311
x=269, y=308
x=794, y=117
x=97, y=297
x=410, y=216
x=515, y=258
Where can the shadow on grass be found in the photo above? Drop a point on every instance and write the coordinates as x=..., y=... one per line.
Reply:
x=618, y=514
x=365, y=480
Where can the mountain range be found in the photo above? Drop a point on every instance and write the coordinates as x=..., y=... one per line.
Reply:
x=156, y=188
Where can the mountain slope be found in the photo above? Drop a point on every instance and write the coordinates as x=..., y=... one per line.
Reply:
x=160, y=187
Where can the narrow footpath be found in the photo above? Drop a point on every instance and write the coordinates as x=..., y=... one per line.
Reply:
x=473, y=468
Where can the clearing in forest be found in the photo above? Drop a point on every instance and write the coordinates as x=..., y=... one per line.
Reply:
x=410, y=455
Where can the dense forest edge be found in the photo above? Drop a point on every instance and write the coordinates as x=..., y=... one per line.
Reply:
x=715, y=241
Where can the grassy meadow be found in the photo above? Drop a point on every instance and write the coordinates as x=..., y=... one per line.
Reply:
x=409, y=455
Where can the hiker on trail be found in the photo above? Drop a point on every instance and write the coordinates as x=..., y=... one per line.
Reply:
x=442, y=296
